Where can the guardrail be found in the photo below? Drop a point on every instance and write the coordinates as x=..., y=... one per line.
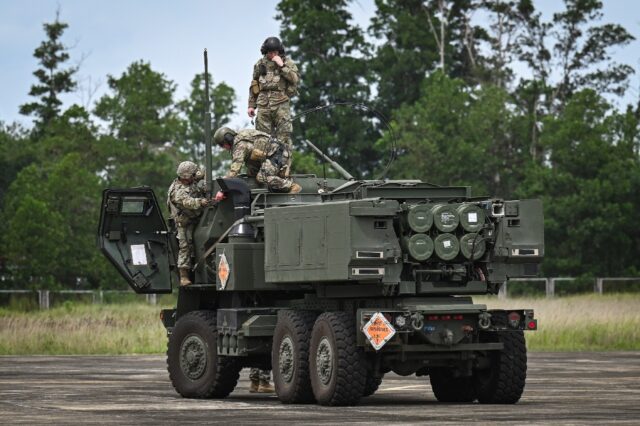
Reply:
x=97, y=296
x=550, y=284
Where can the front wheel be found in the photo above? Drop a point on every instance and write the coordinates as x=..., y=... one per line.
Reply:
x=337, y=368
x=195, y=369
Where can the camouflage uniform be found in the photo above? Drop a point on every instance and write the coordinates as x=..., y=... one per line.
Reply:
x=272, y=87
x=265, y=159
x=185, y=206
x=257, y=375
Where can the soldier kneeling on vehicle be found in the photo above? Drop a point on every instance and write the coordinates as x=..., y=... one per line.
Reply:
x=266, y=158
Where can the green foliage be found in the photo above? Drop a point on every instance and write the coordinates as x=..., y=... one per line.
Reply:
x=221, y=104
x=450, y=122
x=144, y=126
x=589, y=187
x=140, y=109
x=52, y=80
x=50, y=215
x=407, y=52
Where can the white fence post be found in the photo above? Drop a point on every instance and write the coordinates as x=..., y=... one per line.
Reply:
x=550, y=287
x=502, y=293
x=599, y=285
x=43, y=299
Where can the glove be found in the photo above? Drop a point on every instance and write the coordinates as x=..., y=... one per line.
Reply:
x=204, y=202
x=219, y=196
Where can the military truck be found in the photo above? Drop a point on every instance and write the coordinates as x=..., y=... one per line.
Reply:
x=337, y=285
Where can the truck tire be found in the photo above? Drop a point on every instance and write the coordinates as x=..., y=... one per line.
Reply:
x=503, y=382
x=290, y=356
x=372, y=385
x=337, y=366
x=195, y=369
x=448, y=388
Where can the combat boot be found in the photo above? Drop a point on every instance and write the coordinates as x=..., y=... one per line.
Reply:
x=265, y=387
x=254, y=386
x=295, y=188
x=184, y=276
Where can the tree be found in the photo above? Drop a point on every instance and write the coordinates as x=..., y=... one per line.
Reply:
x=50, y=215
x=454, y=135
x=140, y=110
x=329, y=51
x=53, y=80
x=221, y=104
x=416, y=38
x=143, y=129
x=407, y=51
x=589, y=188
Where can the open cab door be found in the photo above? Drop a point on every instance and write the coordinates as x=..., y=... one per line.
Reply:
x=133, y=236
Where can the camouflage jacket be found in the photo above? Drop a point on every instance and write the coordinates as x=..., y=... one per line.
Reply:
x=276, y=84
x=251, y=147
x=184, y=201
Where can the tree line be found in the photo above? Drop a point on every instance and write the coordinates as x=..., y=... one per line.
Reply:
x=482, y=93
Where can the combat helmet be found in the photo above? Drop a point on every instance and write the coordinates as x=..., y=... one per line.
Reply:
x=272, y=44
x=186, y=170
x=224, y=135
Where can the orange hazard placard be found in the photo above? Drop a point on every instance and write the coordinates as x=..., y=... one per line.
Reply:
x=378, y=330
x=223, y=271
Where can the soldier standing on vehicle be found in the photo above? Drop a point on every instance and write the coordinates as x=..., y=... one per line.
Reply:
x=275, y=80
x=266, y=158
x=185, y=206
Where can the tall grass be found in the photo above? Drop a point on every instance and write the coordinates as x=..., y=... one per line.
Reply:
x=83, y=329
x=576, y=323
x=580, y=323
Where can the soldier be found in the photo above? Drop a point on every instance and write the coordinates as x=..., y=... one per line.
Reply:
x=266, y=158
x=275, y=81
x=185, y=203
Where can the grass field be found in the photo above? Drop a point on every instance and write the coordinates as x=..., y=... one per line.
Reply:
x=577, y=323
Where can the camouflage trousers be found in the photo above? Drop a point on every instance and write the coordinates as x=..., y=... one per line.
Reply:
x=273, y=177
x=256, y=375
x=185, y=243
x=278, y=118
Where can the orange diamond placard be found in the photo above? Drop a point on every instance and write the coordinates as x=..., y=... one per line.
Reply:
x=223, y=271
x=378, y=330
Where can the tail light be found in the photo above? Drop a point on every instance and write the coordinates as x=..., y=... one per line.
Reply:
x=514, y=319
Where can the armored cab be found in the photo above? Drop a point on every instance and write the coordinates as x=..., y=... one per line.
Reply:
x=337, y=285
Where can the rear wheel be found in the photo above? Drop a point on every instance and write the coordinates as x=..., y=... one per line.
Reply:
x=372, y=385
x=290, y=356
x=503, y=382
x=449, y=388
x=195, y=369
x=338, y=371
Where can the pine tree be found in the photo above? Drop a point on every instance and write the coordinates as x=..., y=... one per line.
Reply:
x=53, y=79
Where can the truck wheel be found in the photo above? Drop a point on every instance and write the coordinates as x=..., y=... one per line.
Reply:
x=448, y=388
x=338, y=371
x=195, y=369
x=290, y=356
x=372, y=385
x=503, y=382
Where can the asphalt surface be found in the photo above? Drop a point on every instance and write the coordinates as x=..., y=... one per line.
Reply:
x=562, y=388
